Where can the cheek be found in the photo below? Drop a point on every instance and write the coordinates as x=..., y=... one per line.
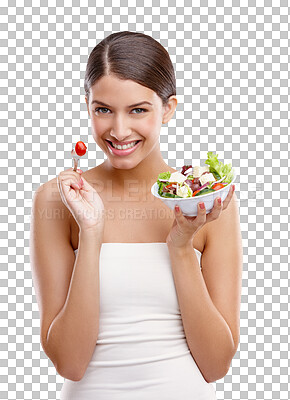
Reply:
x=151, y=125
x=99, y=126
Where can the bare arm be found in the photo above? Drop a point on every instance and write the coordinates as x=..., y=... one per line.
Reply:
x=72, y=336
x=210, y=300
x=67, y=287
x=208, y=335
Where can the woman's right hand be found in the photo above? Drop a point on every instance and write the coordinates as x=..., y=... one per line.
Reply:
x=82, y=200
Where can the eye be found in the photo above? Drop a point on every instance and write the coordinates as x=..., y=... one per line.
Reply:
x=101, y=108
x=143, y=109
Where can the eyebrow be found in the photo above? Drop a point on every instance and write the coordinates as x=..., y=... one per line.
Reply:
x=132, y=105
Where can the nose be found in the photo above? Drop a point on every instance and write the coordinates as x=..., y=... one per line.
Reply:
x=120, y=132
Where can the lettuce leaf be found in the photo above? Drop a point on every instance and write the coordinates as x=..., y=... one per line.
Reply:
x=160, y=188
x=218, y=168
x=163, y=175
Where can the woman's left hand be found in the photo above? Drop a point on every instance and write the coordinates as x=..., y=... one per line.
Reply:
x=184, y=228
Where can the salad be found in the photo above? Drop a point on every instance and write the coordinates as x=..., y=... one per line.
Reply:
x=195, y=181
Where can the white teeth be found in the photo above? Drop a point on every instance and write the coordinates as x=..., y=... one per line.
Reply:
x=127, y=146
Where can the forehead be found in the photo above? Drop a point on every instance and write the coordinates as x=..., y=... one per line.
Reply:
x=110, y=89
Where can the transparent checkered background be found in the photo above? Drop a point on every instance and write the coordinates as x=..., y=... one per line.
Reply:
x=231, y=61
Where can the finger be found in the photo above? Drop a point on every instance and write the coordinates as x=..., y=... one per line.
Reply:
x=69, y=192
x=201, y=214
x=72, y=170
x=215, y=211
x=229, y=197
x=78, y=171
x=74, y=177
x=179, y=217
x=70, y=182
x=69, y=173
x=183, y=222
x=74, y=173
x=62, y=186
x=59, y=185
x=76, y=180
x=174, y=223
x=88, y=192
x=85, y=185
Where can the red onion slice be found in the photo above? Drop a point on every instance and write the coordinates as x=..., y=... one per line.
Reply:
x=202, y=187
x=219, y=181
x=188, y=171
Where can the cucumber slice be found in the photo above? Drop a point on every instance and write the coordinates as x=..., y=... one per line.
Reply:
x=171, y=195
x=204, y=191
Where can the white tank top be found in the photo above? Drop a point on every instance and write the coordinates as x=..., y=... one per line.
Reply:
x=141, y=352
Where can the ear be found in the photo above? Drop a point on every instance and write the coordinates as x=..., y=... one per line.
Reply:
x=88, y=108
x=169, y=109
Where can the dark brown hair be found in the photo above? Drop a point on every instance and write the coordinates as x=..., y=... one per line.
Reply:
x=135, y=56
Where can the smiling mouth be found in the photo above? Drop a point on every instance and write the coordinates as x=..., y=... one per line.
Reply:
x=123, y=143
x=111, y=143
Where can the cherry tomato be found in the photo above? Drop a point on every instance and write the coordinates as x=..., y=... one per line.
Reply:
x=217, y=186
x=80, y=148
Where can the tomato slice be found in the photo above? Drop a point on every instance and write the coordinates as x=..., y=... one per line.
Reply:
x=217, y=186
x=80, y=148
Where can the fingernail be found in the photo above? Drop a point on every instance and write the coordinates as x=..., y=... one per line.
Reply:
x=202, y=206
x=220, y=200
x=79, y=170
x=81, y=182
x=177, y=208
x=233, y=188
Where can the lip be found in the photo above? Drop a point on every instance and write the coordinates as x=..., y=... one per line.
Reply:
x=122, y=152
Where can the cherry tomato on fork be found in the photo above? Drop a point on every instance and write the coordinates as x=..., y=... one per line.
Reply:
x=80, y=148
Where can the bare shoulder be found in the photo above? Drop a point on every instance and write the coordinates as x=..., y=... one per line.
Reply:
x=222, y=262
x=95, y=176
x=48, y=196
x=49, y=189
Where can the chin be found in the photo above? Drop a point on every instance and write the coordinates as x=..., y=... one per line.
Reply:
x=124, y=164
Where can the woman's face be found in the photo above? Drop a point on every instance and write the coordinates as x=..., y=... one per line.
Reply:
x=118, y=114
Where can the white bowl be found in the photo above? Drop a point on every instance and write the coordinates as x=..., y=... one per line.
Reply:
x=188, y=206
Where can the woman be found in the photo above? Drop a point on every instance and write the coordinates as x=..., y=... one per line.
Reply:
x=126, y=310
